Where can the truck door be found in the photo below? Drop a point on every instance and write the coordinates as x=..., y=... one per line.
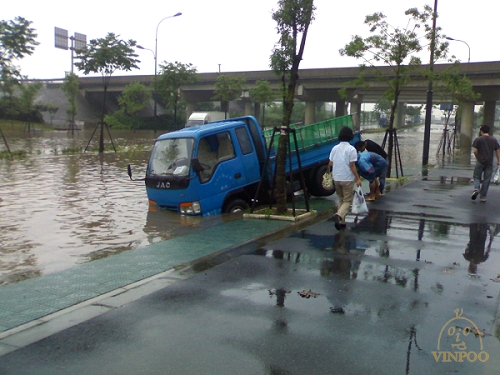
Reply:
x=227, y=173
x=248, y=155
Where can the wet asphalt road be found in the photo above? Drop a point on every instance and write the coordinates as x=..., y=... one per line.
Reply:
x=388, y=295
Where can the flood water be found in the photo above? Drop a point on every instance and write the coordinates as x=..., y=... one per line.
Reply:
x=59, y=209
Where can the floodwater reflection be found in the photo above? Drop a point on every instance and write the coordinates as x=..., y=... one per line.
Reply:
x=391, y=249
x=477, y=251
x=59, y=209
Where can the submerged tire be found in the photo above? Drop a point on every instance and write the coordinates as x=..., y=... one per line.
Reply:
x=315, y=182
x=235, y=205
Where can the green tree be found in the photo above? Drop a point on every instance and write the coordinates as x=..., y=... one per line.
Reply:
x=454, y=89
x=17, y=40
x=9, y=102
x=50, y=108
x=228, y=88
x=263, y=94
x=105, y=56
x=70, y=89
x=27, y=101
x=382, y=106
x=172, y=76
x=414, y=111
x=293, y=18
x=398, y=48
x=134, y=98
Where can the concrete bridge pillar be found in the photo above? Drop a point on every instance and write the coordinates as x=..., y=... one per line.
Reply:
x=400, y=115
x=256, y=112
x=489, y=115
x=309, y=113
x=356, y=103
x=340, y=108
x=249, y=108
x=466, y=128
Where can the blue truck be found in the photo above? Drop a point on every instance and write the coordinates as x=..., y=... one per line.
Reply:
x=216, y=167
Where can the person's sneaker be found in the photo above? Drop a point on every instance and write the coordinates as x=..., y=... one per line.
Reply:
x=336, y=219
x=483, y=200
x=474, y=195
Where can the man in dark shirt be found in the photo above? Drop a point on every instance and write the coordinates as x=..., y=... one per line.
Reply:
x=484, y=147
x=375, y=147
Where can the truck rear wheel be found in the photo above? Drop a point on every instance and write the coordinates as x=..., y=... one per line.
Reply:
x=235, y=205
x=315, y=184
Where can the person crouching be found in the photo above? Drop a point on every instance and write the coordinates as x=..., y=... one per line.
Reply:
x=373, y=168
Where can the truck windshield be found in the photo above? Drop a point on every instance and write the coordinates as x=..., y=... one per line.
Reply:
x=171, y=157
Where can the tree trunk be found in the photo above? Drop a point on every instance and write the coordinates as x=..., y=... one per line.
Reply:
x=101, y=138
x=280, y=190
x=390, y=144
x=175, y=114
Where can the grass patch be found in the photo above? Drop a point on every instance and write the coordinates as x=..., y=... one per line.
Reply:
x=21, y=125
x=72, y=150
x=14, y=155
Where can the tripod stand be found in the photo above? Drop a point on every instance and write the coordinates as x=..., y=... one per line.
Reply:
x=101, y=139
x=290, y=174
x=447, y=141
x=72, y=127
x=393, y=145
x=5, y=141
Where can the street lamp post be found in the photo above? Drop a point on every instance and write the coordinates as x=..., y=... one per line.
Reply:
x=156, y=61
x=458, y=40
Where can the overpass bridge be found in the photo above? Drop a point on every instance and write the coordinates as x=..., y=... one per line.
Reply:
x=322, y=85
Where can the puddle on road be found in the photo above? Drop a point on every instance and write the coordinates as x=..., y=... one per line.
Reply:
x=397, y=276
x=412, y=254
x=405, y=243
x=453, y=180
x=447, y=182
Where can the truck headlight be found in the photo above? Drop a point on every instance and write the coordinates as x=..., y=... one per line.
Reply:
x=190, y=208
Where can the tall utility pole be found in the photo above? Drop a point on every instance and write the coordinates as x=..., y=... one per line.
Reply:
x=428, y=109
x=156, y=65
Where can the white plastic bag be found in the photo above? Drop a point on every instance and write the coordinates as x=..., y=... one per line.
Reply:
x=496, y=176
x=359, y=206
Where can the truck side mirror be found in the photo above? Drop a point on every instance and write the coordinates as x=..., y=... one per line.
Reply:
x=196, y=165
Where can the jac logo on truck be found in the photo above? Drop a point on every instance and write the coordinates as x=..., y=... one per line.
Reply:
x=163, y=185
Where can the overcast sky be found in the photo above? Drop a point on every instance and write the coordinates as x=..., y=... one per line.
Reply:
x=238, y=35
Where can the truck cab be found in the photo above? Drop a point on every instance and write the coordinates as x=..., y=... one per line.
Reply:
x=205, y=169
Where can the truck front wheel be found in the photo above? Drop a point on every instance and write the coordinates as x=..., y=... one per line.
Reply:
x=316, y=181
x=235, y=205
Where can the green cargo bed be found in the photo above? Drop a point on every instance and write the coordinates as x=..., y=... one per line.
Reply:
x=314, y=135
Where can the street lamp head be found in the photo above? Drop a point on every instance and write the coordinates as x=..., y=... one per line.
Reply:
x=458, y=40
x=140, y=47
x=177, y=14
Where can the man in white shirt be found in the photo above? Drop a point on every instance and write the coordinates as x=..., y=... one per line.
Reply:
x=343, y=159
